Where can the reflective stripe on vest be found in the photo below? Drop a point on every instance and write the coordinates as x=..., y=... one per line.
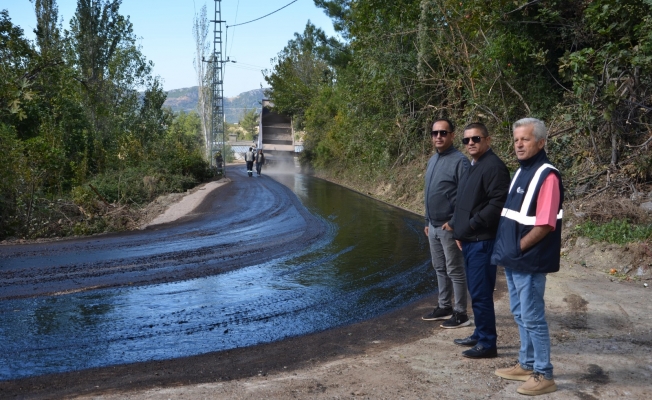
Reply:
x=521, y=216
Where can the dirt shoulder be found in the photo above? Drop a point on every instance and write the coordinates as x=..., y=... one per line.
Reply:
x=174, y=206
x=600, y=328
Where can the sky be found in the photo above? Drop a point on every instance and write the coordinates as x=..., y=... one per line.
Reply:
x=165, y=31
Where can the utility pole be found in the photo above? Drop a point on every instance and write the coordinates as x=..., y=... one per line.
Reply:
x=217, y=103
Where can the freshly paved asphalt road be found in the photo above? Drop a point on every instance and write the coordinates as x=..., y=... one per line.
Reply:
x=260, y=260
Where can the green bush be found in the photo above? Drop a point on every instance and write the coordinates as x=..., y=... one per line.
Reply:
x=229, y=157
x=137, y=185
x=616, y=231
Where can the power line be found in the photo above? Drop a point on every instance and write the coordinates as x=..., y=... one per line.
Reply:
x=252, y=65
x=245, y=68
x=267, y=15
x=237, y=7
x=243, y=23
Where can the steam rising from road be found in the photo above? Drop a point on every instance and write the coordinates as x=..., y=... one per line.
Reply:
x=283, y=165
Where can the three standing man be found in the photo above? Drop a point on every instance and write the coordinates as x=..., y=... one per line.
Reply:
x=527, y=242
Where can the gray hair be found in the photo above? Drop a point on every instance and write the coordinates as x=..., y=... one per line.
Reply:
x=540, y=131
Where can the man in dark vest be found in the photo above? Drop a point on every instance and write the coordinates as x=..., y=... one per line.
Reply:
x=480, y=199
x=528, y=246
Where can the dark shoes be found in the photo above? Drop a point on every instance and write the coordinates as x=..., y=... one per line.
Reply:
x=467, y=341
x=458, y=320
x=480, y=352
x=438, y=314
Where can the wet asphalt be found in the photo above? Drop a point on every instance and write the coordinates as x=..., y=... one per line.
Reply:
x=260, y=260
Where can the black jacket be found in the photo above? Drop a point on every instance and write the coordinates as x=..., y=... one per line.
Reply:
x=480, y=198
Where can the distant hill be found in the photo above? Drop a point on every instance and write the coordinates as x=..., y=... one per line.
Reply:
x=182, y=99
x=185, y=99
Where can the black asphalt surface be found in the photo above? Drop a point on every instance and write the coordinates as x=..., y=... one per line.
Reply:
x=261, y=260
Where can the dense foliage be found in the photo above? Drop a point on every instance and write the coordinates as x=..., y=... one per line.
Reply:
x=584, y=67
x=79, y=107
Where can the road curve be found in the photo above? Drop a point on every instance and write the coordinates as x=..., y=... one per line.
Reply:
x=259, y=261
x=230, y=229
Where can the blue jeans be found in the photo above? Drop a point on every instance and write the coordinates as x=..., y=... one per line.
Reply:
x=481, y=279
x=449, y=266
x=526, y=292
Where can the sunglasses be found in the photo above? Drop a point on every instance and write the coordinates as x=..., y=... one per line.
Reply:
x=475, y=139
x=440, y=133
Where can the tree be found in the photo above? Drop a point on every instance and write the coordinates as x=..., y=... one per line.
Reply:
x=249, y=123
x=203, y=64
x=110, y=68
x=610, y=73
x=15, y=79
x=301, y=68
x=582, y=66
x=48, y=34
x=83, y=107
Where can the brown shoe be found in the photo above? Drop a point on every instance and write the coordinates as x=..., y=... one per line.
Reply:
x=536, y=385
x=515, y=373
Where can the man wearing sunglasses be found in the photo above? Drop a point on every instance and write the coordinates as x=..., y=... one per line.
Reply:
x=528, y=246
x=443, y=174
x=480, y=199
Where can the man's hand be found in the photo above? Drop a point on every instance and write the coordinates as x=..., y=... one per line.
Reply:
x=459, y=244
x=446, y=227
x=534, y=236
x=426, y=230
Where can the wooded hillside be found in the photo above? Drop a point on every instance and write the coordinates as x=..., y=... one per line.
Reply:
x=366, y=103
x=185, y=99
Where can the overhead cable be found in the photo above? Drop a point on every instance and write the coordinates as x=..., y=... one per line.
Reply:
x=237, y=7
x=267, y=15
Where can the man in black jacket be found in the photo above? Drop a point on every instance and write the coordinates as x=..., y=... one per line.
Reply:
x=480, y=198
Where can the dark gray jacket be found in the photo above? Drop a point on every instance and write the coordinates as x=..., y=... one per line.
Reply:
x=442, y=178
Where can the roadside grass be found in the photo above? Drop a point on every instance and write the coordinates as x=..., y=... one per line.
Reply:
x=618, y=231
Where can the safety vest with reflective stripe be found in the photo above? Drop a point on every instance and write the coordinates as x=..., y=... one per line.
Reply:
x=519, y=216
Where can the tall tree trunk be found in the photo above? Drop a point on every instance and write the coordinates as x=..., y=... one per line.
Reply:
x=203, y=69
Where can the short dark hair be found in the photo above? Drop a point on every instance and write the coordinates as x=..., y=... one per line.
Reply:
x=479, y=126
x=450, y=123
